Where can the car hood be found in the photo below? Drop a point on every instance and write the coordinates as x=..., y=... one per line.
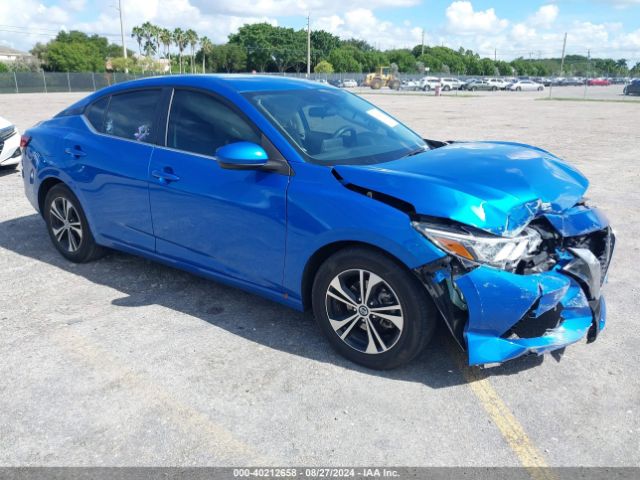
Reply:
x=494, y=186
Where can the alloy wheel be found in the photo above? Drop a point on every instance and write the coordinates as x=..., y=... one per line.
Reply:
x=364, y=311
x=66, y=225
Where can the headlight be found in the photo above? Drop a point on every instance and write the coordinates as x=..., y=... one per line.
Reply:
x=480, y=247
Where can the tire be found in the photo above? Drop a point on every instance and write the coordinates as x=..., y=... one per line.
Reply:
x=518, y=89
x=426, y=88
x=73, y=238
x=625, y=91
x=540, y=89
x=376, y=84
x=494, y=89
x=473, y=89
x=446, y=88
x=390, y=342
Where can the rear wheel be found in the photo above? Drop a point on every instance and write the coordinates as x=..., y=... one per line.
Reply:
x=518, y=89
x=68, y=226
x=372, y=310
x=540, y=89
x=376, y=84
x=446, y=88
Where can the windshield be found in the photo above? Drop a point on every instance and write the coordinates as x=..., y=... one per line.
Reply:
x=333, y=127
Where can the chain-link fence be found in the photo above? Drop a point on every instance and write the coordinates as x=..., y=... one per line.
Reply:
x=46, y=82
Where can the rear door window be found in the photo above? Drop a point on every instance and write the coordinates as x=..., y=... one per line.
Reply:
x=95, y=113
x=132, y=115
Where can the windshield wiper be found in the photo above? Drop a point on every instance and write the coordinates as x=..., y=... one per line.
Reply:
x=416, y=151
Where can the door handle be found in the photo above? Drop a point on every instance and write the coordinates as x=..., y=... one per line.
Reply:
x=164, y=177
x=76, y=151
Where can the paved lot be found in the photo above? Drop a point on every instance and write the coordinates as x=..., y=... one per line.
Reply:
x=126, y=362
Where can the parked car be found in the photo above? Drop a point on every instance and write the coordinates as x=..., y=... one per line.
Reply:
x=481, y=85
x=349, y=83
x=599, y=82
x=9, y=144
x=411, y=85
x=429, y=83
x=632, y=89
x=526, y=85
x=451, y=83
x=499, y=83
x=311, y=196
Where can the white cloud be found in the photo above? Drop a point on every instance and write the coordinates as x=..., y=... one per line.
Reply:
x=462, y=19
x=362, y=23
x=545, y=16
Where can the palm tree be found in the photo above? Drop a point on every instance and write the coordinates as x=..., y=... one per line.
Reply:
x=150, y=38
x=206, y=46
x=166, y=39
x=179, y=39
x=137, y=33
x=192, y=40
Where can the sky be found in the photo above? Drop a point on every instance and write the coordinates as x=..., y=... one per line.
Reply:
x=504, y=28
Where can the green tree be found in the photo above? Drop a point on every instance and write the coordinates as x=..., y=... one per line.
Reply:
x=322, y=43
x=191, y=38
x=323, y=67
x=256, y=39
x=343, y=60
x=404, y=59
x=166, y=39
x=180, y=39
x=205, y=48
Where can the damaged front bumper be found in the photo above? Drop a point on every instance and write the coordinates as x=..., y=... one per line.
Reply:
x=498, y=315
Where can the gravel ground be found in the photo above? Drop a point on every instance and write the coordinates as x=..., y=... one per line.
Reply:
x=126, y=362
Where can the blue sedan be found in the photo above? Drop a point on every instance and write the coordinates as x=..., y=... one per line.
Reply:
x=310, y=196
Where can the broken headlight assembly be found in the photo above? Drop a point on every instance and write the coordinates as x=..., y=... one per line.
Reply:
x=472, y=245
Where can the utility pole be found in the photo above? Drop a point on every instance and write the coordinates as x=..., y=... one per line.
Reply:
x=124, y=47
x=586, y=82
x=564, y=49
x=422, y=43
x=308, y=46
x=495, y=54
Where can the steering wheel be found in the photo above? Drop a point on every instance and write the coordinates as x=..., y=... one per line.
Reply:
x=342, y=131
x=348, y=135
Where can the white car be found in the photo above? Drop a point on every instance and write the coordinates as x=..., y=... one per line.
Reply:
x=349, y=83
x=410, y=85
x=9, y=144
x=451, y=84
x=526, y=85
x=429, y=83
x=498, y=82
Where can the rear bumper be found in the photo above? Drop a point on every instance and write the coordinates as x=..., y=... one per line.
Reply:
x=497, y=315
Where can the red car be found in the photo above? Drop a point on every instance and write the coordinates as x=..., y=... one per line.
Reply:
x=600, y=82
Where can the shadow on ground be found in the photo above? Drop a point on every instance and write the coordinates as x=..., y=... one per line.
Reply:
x=6, y=171
x=144, y=282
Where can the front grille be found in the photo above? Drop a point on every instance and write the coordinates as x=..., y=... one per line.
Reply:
x=600, y=243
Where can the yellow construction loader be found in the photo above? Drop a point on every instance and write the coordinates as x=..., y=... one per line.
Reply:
x=384, y=77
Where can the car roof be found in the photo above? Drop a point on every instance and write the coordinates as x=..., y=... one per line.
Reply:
x=223, y=82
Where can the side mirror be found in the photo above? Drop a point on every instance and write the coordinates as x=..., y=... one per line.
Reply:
x=241, y=156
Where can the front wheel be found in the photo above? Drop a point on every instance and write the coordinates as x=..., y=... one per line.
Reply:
x=372, y=310
x=68, y=226
x=540, y=89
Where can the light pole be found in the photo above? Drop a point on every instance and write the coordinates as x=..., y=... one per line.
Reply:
x=124, y=47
